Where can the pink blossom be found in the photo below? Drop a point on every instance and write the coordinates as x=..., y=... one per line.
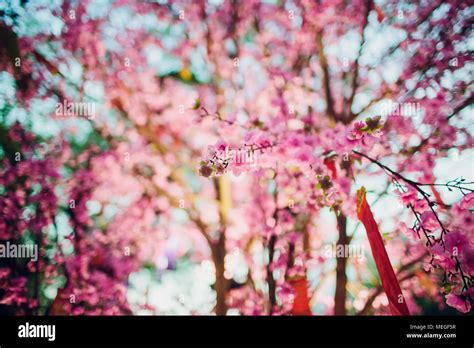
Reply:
x=455, y=242
x=467, y=202
x=458, y=302
x=409, y=198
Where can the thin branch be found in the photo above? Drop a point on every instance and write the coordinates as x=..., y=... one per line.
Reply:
x=460, y=107
x=355, y=80
x=379, y=288
x=420, y=21
x=326, y=78
x=466, y=280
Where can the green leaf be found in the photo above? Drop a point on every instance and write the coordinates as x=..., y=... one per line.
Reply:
x=197, y=104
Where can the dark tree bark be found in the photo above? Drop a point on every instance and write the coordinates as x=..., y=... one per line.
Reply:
x=221, y=285
x=270, y=279
x=341, y=277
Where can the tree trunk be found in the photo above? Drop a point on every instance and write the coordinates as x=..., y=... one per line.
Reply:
x=341, y=277
x=221, y=284
x=271, y=281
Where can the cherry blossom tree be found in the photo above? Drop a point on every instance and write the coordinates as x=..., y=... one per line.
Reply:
x=277, y=136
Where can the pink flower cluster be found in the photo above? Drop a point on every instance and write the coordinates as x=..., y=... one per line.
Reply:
x=28, y=206
x=452, y=249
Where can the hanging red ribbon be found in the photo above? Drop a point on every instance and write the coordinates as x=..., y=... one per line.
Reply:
x=331, y=164
x=387, y=275
x=301, y=301
x=439, y=200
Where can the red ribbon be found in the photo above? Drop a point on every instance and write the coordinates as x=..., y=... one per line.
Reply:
x=331, y=164
x=387, y=275
x=301, y=301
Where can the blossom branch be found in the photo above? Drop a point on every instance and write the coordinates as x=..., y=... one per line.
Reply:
x=466, y=280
